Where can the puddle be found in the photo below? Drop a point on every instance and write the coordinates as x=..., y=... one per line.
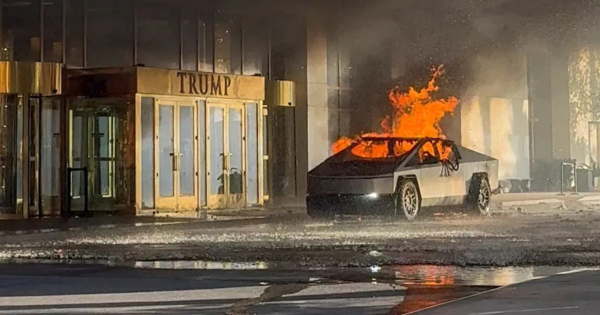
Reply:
x=467, y=276
x=417, y=275
x=421, y=286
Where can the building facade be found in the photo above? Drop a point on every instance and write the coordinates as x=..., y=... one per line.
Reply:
x=159, y=106
x=192, y=106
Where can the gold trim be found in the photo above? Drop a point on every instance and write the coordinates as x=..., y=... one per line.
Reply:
x=281, y=93
x=199, y=84
x=30, y=78
x=152, y=81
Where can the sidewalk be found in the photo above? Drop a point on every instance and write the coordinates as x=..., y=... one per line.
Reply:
x=48, y=225
x=504, y=204
x=545, y=202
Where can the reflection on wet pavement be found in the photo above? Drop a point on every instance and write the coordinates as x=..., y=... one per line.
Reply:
x=397, y=289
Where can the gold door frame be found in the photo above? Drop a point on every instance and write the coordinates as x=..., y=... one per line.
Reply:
x=236, y=200
x=219, y=200
x=177, y=201
x=188, y=202
x=211, y=203
x=226, y=199
x=171, y=201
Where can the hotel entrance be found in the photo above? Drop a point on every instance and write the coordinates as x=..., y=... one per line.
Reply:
x=166, y=142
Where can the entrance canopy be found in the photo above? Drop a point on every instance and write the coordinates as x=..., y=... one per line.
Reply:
x=141, y=80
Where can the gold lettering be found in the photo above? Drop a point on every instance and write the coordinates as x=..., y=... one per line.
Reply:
x=181, y=77
x=215, y=86
x=193, y=86
x=204, y=84
x=227, y=85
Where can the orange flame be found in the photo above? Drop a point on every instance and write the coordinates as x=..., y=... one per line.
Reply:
x=416, y=114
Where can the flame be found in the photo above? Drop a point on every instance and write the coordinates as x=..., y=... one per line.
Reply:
x=416, y=114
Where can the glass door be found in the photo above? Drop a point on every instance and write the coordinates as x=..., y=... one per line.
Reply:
x=97, y=142
x=187, y=156
x=235, y=168
x=216, y=156
x=175, y=154
x=51, y=140
x=226, y=152
x=11, y=133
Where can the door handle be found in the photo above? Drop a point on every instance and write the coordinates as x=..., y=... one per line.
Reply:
x=224, y=157
x=175, y=161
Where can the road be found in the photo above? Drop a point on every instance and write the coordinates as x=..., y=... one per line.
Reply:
x=94, y=289
x=570, y=293
x=560, y=238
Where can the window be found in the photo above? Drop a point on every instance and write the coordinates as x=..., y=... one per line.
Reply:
x=109, y=33
x=158, y=36
x=206, y=41
x=53, y=31
x=228, y=46
x=190, y=41
x=256, y=45
x=74, y=33
x=21, y=40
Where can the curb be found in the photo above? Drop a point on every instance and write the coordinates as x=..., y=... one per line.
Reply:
x=78, y=228
x=210, y=218
x=590, y=199
x=530, y=202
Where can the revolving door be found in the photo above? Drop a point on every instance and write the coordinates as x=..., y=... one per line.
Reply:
x=30, y=141
x=98, y=142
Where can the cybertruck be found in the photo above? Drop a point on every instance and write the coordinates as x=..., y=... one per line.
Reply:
x=400, y=176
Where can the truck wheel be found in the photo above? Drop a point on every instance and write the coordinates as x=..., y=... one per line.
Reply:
x=480, y=196
x=407, y=200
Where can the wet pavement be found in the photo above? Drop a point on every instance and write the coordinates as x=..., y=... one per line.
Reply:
x=574, y=293
x=568, y=237
x=53, y=288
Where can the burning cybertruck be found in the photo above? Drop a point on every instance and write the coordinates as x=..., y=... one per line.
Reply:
x=401, y=176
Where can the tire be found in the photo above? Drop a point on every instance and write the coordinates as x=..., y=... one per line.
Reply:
x=480, y=195
x=407, y=201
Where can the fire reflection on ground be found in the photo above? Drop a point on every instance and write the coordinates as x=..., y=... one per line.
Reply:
x=428, y=286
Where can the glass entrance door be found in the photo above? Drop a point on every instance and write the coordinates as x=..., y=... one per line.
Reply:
x=226, y=152
x=11, y=141
x=175, y=154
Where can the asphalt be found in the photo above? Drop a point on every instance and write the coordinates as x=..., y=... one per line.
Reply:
x=519, y=237
x=570, y=293
x=565, y=238
x=81, y=289
x=70, y=288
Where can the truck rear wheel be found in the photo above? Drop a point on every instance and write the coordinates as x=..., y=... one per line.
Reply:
x=480, y=196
